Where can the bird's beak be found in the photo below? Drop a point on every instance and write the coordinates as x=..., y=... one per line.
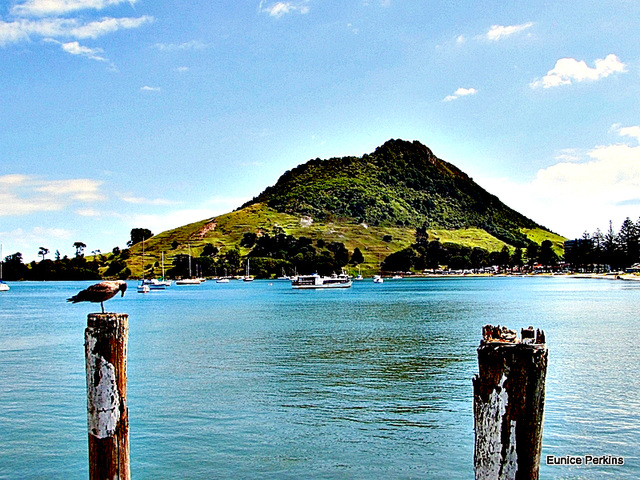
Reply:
x=123, y=287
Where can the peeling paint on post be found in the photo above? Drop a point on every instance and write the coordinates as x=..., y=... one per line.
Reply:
x=106, y=339
x=509, y=403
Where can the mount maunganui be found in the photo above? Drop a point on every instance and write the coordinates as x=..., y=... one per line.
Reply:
x=361, y=202
x=401, y=184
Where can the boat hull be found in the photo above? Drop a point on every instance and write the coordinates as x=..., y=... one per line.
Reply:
x=307, y=282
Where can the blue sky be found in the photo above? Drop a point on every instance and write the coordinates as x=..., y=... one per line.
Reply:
x=121, y=114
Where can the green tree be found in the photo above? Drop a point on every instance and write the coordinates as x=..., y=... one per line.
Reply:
x=547, y=256
x=516, y=260
x=79, y=246
x=504, y=257
x=400, y=261
x=209, y=250
x=248, y=239
x=138, y=235
x=43, y=252
x=357, y=257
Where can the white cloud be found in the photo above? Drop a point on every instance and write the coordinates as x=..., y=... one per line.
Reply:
x=498, y=32
x=633, y=132
x=460, y=92
x=82, y=189
x=147, y=88
x=279, y=9
x=573, y=196
x=145, y=201
x=568, y=70
x=23, y=29
x=24, y=194
x=191, y=45
x=43, y=8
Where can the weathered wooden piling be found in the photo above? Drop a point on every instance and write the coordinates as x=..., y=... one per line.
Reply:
x=509, y=403
x=106, y=340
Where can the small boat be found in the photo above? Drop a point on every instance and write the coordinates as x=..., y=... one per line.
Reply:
x=3, y=286
x=222, y=280
x=378, y=279
x=142, y=285
x=317, y=281
x=397, y=277
x=247, y=277
x=190, y=280
x=157, y=284
x=359, y=276
x=284, y=276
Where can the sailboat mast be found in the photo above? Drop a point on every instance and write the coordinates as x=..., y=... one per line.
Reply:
x=189, y=260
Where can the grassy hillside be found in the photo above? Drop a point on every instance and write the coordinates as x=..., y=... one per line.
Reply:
x=226, y=231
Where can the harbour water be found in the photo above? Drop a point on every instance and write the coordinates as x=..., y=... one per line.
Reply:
x=259, y=381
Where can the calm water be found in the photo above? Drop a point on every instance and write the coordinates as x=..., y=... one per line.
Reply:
x=244, y=381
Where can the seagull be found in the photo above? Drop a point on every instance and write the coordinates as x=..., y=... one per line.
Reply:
x=100, y=292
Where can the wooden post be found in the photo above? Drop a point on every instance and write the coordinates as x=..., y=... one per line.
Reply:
x=509, y=403
x=106, y=339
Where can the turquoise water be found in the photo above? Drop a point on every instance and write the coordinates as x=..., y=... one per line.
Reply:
x=256, y=380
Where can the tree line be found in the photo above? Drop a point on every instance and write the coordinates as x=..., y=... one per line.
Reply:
x=611, y=250
x=432, y=255
x=276, y=253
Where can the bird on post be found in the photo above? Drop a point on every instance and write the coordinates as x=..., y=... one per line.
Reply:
x=100, y=292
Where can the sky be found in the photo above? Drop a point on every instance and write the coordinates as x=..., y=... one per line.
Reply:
x=121, y=114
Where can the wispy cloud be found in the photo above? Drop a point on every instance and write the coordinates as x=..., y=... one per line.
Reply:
x=147, y=88
x=172, y=47
x=43, y=19
x=461, y=92
x=25, y=194
x=144, y=201
x=278, y=9
x=42, y=8
x=569, y=70
x=498, y=32
x=23, y=29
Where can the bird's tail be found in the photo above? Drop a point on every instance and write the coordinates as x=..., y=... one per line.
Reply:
x=73, y=299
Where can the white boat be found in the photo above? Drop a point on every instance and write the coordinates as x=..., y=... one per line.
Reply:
x=190, y=280
x=222, y=280
x=397, y=277
x=359, y=276
x=157, y=284
x=284, y=276
x=247, y=277
x=378, y=279
x=317, y=281
x=142, y=285
x=3, y=286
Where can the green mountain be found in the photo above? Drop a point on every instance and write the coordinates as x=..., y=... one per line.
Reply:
x=374, y=203
x=401, y=184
